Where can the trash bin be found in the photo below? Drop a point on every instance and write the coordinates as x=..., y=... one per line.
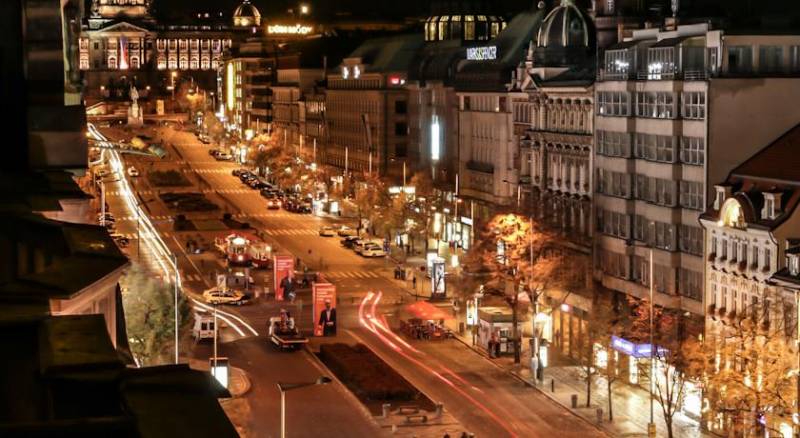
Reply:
x=574, y=399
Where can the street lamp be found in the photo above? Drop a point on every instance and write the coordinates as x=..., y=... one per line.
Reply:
x=304, y=9
x=173, y=75
x=284, y=387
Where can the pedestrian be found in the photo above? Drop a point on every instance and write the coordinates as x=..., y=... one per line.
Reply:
x=414, y=281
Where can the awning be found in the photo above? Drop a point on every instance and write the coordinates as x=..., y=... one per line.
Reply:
x=427, y=311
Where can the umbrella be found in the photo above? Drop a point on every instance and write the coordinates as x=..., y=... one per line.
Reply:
x=427, y=311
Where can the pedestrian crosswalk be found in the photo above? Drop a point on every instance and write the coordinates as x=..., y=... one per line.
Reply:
x=350, y=274
x=119, y=193
x=192, y=277
x=152, y=218
x=242, y=191
x=207, y=170
x=291, y=232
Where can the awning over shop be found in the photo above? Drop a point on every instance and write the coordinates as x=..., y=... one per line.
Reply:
x=427, y=311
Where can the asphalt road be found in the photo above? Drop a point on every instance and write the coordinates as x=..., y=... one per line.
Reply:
x=485, y=400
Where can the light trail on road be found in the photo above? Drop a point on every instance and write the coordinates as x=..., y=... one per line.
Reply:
x=148, y=233
x=371, y=323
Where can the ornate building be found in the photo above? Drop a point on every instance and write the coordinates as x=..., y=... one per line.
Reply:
x=121, y=40
x=553, y=121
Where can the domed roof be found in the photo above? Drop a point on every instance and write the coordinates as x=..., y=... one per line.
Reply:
x=565, y=26
x=246, y=15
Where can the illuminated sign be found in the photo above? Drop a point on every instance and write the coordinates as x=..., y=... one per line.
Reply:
x=634, y=350
x=482, y=53
x=229, y=82
x=284, y=29
x=435, y=134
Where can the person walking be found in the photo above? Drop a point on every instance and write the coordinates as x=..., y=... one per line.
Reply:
x=414, y=282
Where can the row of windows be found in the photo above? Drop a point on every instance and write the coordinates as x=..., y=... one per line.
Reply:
x=689, y=283
x=689, y=239
x=654, y=190
x=651, y=147
x=734, y=250
x=659, y=105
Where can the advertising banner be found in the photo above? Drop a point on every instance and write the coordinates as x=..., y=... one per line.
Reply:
x=283, y=271
x=438, y=285
x=324, y=309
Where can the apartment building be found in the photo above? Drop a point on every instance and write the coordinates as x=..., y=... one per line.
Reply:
x=367, y=107
x=676, y=110
x=248, y=73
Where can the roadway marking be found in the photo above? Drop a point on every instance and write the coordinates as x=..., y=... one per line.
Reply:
x=351, y=274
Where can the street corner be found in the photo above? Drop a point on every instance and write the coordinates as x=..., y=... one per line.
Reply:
x=239, y=383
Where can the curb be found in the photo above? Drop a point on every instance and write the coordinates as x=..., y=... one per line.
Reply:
x=521, y=379
x=243, y=376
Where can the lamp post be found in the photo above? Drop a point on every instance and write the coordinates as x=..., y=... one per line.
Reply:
x=284, y=387
x=174, y=74
x=175, y=261
x=651, y=427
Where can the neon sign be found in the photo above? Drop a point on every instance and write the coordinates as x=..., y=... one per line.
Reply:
x=482, y=53
x=296, y=29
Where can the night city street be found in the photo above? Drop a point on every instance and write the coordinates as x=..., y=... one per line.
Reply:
x=422, y=219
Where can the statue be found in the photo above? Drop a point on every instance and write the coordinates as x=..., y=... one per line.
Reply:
x=135, y=116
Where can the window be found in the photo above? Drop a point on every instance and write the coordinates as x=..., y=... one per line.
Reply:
x=614, y=264
x=660, y=62
x=655, y=147
x=613, y=143
x=740, y=59
x=767, y=265
x=692, y=195
x=400, y=107
x=770, y=59
x=655, y=190
x=693, y=105
x=617, y=64
x=693, y=150
x=467, y=103
x=794, y=59
x=610, y=7
x=691, y=240
x=613, y=223
x=469, y=28
x=400, y=150
x=501, y=106
x=691, y=284
x=658, y=234
x=400, y=129
x=612, y=103
x=655, y=105
x=97, y=45
x=613, y=183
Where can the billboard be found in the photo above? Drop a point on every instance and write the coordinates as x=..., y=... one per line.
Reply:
x=438, y=286
x=324, y=309
x=282, y=275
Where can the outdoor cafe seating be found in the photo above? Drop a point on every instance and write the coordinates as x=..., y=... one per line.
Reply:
x=426, y=322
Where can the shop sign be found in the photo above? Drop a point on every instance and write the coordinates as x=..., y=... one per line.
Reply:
x=635, y=350
x=486, y=53
x=284, y=29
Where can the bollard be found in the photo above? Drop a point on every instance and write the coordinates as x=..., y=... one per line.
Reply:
x=552, y=385
x=386, y=408
x=574, y=399
x=599, y=415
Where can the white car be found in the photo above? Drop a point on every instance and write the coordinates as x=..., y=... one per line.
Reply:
x=327, y=231
x=345, y=231
x=216, y=296
x=132, y=172
x=372, y=250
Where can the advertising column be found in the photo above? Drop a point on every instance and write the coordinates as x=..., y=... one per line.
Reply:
x=283, y=270
x=324, y=309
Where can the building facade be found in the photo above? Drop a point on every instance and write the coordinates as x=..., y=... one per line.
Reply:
x=367, y=107
x=751, y=241
x=675, y=112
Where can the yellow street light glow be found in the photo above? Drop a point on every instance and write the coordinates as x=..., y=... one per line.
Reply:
x=304, y=9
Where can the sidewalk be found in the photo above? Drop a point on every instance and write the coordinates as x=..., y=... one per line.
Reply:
x=631, y=404
x=238, y=381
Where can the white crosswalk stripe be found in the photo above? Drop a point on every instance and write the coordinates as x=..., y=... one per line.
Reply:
x=290, y=232
x=118, y=193
x=351, y=274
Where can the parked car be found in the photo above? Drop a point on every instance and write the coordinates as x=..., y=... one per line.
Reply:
x=108, y=217
x=132, y=172
x=327, y=231
x=223, y=156
x=245, y=176
x=345, y=231
x=273, y=204
x=304, y=207
x=239, y=172
x=216, y=296
x=360, y=245
x=373, y=250
x=349, y=241
x=214, y=152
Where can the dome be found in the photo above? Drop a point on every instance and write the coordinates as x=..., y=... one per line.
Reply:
x=246, y=15
x=565, y=26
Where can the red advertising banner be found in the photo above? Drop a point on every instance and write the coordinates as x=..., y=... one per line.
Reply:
x=324, y=309
x=282, y=275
